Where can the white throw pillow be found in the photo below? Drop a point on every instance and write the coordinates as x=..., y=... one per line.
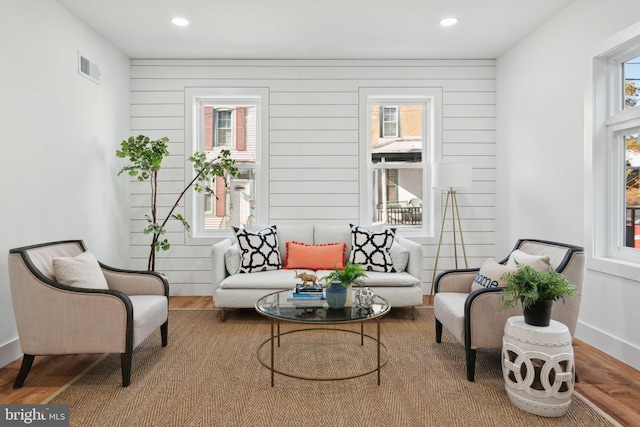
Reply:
x=540, y=263
x=232, y=259
x=399, y=256
x=82, y=271
x=490, y=275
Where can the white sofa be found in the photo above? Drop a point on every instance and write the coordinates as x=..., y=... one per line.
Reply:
x=242, y=290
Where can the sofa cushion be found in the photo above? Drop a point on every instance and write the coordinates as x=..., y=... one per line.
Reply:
x=324, y=233
x=538, y=262
x=259, y=251
x=377, y=278
x=81, y=271
x=273, y=279
x=302, y=233
x=371, y=249
x=490, y=275
x=315, y=257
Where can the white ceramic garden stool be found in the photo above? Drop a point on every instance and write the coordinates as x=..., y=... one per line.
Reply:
x=537, y=365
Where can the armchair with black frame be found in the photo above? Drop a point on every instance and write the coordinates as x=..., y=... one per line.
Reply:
x=102, y=310
x=475, y=318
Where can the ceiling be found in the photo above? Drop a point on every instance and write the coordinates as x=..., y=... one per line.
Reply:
x=304, y=29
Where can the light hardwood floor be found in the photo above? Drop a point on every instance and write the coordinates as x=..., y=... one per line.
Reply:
x=611, y=385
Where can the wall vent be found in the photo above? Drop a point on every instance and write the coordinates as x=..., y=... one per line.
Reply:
x=88, y=69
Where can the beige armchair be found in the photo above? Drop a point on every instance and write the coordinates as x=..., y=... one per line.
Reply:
x=474, y=317
x=55, y=318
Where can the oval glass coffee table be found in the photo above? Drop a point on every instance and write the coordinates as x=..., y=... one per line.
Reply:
x=278, y=308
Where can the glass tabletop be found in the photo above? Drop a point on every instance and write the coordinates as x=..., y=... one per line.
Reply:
x=277, y=305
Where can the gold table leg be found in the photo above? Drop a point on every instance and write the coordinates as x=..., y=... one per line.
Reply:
x=273, y=350
x=378, y=343
x=275, y=325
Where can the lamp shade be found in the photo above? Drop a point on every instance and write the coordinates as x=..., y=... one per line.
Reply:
x=451, y=175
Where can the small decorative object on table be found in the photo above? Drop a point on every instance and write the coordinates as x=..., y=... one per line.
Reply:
x=364, y=297
x=536, y=291
x=338, y=281
x=306, y=278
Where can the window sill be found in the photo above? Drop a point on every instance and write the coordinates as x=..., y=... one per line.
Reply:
x=614, y=267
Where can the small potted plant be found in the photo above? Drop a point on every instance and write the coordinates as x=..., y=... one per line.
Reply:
x=338, y=281
x=536, y=291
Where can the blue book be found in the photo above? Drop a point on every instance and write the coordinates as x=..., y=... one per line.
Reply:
x=295, y=296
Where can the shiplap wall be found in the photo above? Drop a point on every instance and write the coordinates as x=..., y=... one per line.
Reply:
x=313, y=146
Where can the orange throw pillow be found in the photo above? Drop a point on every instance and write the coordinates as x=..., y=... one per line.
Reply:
x=315, y=257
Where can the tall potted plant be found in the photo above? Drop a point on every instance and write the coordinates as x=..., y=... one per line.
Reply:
x=338, y=281
x=536, y=291
x=145, y=161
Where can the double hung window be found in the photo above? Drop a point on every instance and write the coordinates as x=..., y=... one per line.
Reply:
x=227, y=119
x=398, y=149
x=616, y=154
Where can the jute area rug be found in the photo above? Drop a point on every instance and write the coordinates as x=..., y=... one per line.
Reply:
x=209, y=375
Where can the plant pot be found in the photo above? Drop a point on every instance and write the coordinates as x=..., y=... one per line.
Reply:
x=336, y=295
x=538, y=313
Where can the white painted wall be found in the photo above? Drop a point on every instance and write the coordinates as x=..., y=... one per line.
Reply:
x=313, y=146
x=540, y=155
x=59, y=133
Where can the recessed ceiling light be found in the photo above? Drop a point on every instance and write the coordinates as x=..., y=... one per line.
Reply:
x=447, y=22
x=181, y=22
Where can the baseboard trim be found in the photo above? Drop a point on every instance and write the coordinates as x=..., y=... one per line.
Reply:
x=613, y=346
x=10, y=352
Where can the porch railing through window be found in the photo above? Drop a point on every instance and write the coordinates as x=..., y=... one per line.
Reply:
x=411, y=215
x=632, y=234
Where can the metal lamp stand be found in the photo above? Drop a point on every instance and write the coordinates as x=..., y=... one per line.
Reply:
x=455, y=217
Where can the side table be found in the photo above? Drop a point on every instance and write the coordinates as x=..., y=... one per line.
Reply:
x=537, y=366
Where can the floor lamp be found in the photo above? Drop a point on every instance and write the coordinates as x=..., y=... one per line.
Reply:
x=450, y=176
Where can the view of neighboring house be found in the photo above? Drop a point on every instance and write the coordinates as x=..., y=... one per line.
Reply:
x=233, y=128
x=631, y=71
x=396, y=142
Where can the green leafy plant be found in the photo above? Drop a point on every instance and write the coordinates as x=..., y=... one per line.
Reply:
x=528, y=285
x=351, y=274
x=145, y=161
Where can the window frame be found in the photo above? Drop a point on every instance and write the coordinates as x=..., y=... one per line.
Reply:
x=194, y=141
x=431, y=97
x=606, y=122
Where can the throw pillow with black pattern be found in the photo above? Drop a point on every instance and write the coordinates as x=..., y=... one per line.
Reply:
x=258, y=250
x=371, y=249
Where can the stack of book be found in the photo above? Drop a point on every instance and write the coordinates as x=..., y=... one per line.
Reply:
x=304, y=294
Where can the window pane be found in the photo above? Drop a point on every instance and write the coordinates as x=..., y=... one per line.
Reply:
x=632, y=191
x=631, y=72
x=390, y=122
x=396, y=133
x=233, y=205
x=224, y=137
x=224, y=119
x=229, y=127
x=397, y=196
